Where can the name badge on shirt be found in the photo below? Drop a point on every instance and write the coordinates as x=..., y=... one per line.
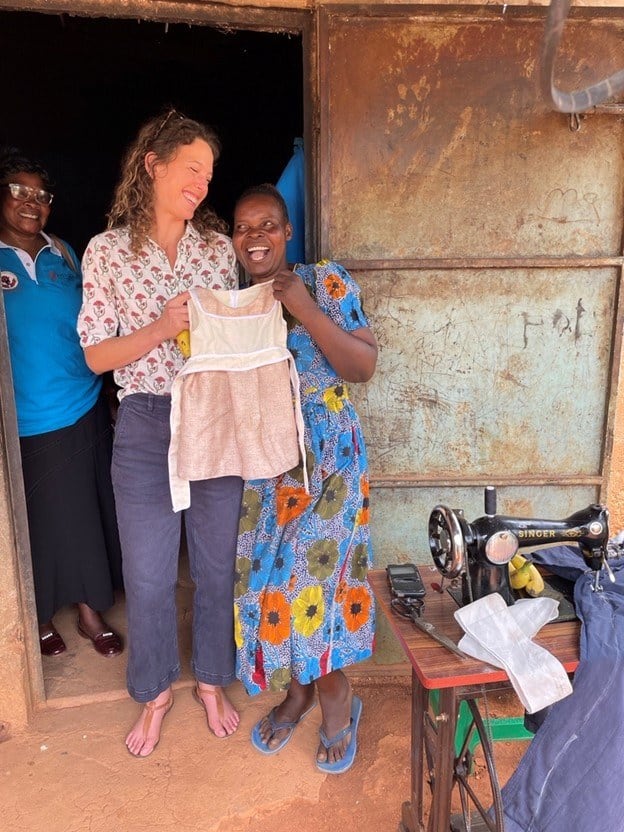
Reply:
x=8, y=280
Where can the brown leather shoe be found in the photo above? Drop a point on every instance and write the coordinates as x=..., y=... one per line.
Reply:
x=51, y=643
x=107, y=643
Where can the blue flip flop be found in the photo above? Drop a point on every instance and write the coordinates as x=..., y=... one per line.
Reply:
x=346, y=762
x=263, y=747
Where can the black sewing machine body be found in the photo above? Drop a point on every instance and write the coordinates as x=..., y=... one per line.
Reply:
x=480, y=551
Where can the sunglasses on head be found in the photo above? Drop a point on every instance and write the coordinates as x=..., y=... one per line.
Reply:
x=172, y=115
x=23, y=193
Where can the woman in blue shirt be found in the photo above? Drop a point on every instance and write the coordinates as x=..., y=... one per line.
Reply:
x=63, y=421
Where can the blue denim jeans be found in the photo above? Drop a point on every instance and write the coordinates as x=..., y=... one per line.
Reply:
x=150, y=534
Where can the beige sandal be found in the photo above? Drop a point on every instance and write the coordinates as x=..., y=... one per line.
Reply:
x=215, y=693
x=151, y=709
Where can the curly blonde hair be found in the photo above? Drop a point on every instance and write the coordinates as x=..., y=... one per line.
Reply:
x=133, y=200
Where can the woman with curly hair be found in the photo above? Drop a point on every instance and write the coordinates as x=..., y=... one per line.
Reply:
x=162, y=241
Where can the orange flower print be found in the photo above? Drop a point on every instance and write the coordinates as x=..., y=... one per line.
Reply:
x=341, y=592
x=356, y=608
x=275, y=618
x=335, y=286
x=291, y=502
x=363, y=515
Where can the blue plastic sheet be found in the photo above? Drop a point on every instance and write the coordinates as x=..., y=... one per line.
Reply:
x=291, y=185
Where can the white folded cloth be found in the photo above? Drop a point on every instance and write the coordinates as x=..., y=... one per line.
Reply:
x=501, y=635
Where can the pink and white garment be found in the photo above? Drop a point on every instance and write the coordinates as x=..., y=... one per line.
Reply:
x=235, y=408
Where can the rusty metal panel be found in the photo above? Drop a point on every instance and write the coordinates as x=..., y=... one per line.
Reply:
x=494, y=373
x=400, y=516
x=439, y=144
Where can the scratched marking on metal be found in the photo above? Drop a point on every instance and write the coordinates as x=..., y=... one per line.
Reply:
x=580, y=100
x=473, y=389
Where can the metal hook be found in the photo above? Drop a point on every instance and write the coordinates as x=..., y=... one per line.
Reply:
x=575, y=122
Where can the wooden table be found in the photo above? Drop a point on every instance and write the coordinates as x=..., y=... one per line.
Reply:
x=435, y=668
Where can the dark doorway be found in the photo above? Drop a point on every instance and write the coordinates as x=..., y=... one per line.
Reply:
x=76, y=90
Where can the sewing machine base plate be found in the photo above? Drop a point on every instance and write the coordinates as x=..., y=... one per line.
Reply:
x=554, y=587
x=477, y=824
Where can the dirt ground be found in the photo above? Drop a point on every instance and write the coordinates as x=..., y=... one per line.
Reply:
x=70, y=771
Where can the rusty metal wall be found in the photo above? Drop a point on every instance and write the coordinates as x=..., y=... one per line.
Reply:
x=486, y=235
x=439, y=145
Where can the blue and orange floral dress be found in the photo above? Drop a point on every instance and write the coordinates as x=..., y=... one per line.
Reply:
x=303, y=607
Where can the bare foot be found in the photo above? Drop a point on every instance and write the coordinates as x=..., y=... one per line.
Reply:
x=336, y=707
x=298, y=701
x=222, y=716
x=145, y=733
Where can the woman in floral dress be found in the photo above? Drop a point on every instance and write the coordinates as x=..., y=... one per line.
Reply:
x=303, y=608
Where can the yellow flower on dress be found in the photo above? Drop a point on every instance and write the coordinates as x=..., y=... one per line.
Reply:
x=308, y=608
x=335, y=286
x=335, y=397
x=238, y=630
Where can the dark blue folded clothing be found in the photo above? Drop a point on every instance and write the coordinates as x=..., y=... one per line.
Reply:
x=567, y=779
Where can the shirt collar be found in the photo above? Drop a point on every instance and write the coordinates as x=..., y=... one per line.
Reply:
x=48, y=239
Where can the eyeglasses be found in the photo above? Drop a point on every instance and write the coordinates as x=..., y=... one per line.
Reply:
x=23, y=193
x=172, y=115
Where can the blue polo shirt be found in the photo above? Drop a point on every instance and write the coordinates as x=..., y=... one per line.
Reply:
x=52, y=383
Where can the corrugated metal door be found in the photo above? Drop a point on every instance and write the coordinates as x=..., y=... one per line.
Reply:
x=486, y=235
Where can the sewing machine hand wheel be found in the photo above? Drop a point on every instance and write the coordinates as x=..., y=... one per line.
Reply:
x=446, y=541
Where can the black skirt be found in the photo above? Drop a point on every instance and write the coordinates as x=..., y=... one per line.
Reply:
x=74, y=540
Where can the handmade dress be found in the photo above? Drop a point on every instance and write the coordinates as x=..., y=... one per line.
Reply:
x=235, y=405
x=303, y=607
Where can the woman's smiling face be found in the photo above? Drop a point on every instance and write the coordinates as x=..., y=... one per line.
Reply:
x=181, y=184
x=23, y=218
x=260, y=235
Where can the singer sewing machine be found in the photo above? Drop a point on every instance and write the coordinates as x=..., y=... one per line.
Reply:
x=480, y=551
